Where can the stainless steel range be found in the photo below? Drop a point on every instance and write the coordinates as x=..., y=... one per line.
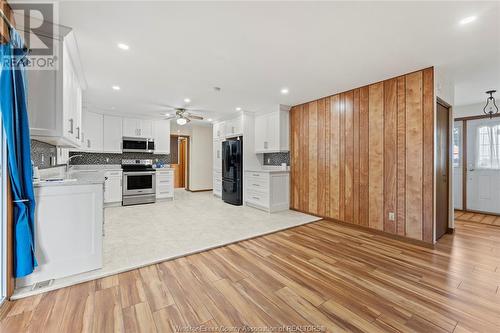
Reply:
x=139, y=182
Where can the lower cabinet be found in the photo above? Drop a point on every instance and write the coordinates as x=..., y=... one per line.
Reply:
x=217, y=183
x=113, y=187
x=268, y=191
x=164, y=184
x=68, y=231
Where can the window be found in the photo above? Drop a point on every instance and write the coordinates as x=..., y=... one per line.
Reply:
x=457, y=146
x=488, y=147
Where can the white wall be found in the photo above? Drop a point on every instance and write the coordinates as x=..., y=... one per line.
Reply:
x=471, y=109
x=201, y=164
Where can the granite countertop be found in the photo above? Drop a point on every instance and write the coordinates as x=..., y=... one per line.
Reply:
x=71, y=182
x=96, y=167
x=78, y=176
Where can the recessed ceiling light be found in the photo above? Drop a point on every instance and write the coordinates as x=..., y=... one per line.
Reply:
x=187, y=100
x=209, y=119
x=123, y=46
x=112, y=108
x=116, y=88
x=181, y=121
x=468, y=20
x=167, y=114
x=238, y=109
x=284, y=91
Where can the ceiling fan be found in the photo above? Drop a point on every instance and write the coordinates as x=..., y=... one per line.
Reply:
x=183, y=115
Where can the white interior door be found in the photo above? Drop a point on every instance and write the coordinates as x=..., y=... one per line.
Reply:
x=457, y=164
x=483, y=165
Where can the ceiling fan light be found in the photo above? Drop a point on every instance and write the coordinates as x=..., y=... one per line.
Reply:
x=181, y=121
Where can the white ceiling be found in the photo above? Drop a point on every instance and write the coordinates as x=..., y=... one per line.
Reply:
x=253, y=49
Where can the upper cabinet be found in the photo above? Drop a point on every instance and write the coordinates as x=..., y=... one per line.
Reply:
x=92, y=136
x=112, y=134
x=219, y=131
x=55, y=97
x=272, y=131
x=161, y=135
x=137, y=128
x=234, y=127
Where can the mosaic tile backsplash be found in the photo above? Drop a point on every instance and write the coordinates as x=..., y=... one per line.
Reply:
x=41, y=153
x=106, y=158
x=277, y=158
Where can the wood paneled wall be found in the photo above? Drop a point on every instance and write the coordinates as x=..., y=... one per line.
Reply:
x=362, y=154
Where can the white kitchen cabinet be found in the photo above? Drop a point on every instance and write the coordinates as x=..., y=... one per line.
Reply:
x=164, y=183
x=234, y=127
x=219, y=131
x=68, y=231
x=112, y=134
x=113, y=186
x=217, y=151
x=161, y=135
x=92, y=136
x=272, y=131
x=137, y=128
x=217, y=183
x=267, y=190
x=54, y=97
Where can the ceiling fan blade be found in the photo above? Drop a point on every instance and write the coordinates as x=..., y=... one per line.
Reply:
x=194, y=116
x=170, y=117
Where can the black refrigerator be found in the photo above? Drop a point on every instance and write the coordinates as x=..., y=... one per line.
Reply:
x=232, y=173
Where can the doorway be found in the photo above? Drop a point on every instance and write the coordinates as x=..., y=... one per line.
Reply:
x=483, y=166
x=442, y=168
x=180, y=160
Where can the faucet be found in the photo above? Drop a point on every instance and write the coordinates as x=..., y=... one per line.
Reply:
x=69, y=160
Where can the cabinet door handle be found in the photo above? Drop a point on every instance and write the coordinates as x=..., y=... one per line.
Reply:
x=88, y=143
x=78, y=132
x=256, y=198
x=256, y=185
x=265, y=144
x=71, y=126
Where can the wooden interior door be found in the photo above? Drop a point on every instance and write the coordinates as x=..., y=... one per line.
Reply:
x=180, y=168
x=442, y=170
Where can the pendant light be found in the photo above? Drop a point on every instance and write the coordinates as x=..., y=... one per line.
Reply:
x=491, y=107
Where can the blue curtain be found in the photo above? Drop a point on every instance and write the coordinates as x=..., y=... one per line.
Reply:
x=16, y=126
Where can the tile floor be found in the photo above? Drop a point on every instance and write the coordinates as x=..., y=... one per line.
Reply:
x=141, y=235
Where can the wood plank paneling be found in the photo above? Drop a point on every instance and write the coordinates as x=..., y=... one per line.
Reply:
x=368, y=152
x=335, y=157
x=364, y=118
x=390, y=159
x=322, y=166
x=342, y=158
x=355, y=189
x=349, y=157
x=304, y=202
x=313, y=157
x=401, y=157
x=428, y=154
x=414, y=142
x=376, y=156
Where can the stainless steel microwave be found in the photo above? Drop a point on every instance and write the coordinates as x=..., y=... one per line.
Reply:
x=138, y=145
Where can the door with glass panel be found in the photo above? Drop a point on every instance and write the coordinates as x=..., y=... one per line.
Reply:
x=483, y=165
x=457, y=164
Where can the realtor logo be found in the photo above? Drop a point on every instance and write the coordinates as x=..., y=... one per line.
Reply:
x=35, y=22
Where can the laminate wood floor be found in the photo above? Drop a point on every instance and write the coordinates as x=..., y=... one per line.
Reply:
x=324, y=274
x=477, y=218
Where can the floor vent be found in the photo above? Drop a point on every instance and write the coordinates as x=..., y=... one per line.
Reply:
x=42, y=284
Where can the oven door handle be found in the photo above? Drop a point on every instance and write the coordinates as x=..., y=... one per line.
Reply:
x=139, y=173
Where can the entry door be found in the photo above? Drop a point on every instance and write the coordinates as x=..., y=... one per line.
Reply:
x=442, y=170
x=457, y=164
x=483, y=165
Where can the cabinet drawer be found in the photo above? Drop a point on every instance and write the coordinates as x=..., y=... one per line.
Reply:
x=258, y=197
x=257, y=184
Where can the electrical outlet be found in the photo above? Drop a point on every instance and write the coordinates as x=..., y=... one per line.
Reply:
x=107, y=159
x=391, y=216
x=269, y=160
